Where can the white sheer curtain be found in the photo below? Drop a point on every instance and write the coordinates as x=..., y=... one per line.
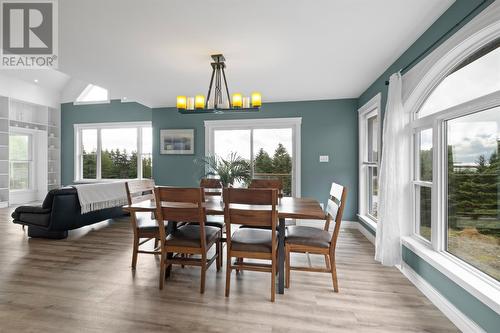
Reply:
x=394, y=184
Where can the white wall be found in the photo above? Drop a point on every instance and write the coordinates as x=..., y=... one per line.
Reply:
x=29, y=92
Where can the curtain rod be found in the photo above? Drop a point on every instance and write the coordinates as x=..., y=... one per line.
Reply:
x=430, y=47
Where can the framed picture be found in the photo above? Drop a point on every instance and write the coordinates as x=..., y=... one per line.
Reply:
x=177, y=141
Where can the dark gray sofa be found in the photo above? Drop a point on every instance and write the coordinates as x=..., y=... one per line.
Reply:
x=59, y=212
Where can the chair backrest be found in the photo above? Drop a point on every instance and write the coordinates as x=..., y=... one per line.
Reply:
x=180, y=204
x=211, y=186
x=140, y=190
x=268, y=183
x=251, y=207
x=335, y=208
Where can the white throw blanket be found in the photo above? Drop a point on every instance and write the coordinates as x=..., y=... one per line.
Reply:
x=94, y=197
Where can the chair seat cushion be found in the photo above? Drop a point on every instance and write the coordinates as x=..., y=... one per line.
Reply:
x=252, y=240
x=189, y=236
x=308, y=236
x=145, y=222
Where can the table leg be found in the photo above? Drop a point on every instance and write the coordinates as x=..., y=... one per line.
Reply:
x=171, y=227
x=281, y=256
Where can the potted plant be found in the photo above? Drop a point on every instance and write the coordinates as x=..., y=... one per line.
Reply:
x=234, y=168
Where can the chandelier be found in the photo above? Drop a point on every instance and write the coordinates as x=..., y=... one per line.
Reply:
x=219, y=104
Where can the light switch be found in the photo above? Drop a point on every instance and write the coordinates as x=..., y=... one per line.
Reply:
x=323, y=158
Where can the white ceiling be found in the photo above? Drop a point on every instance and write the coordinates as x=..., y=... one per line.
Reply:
x=151, y=51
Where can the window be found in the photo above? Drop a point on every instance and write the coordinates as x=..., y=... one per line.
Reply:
x=473, y=223
x=456, y=171
x=423, y=181
x=369, y=151
x=20, y=159
x=272, y=147
x=113, y=151
x=93, y=94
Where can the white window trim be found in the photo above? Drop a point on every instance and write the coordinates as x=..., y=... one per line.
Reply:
x=86, y=90
x=477, y=283
x=294, y=123
x=32, y=179
x=481, y=287
x=418, y=83
x=77, y=130
x=372, y=107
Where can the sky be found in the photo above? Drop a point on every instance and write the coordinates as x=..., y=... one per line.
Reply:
x=121, y=138
x=476, y=134
x=227, y=141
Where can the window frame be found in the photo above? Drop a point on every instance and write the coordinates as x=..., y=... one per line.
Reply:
x=439, y=221
x=77, y=130
x=86, y=90
x=294, y=123
x=31, y=161
x=418, y=183
x=418, y=84
x=370, y=109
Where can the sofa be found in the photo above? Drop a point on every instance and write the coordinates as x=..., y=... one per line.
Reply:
x=59, y=212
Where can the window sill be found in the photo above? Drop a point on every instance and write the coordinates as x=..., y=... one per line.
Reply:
x=95, y=181
x=368, y=221
x=92, y=102
x=24, y=191
x=484, y=288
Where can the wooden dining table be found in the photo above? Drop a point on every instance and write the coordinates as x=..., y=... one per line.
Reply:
x=288, y=208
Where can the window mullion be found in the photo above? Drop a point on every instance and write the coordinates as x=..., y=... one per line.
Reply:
x=438, y=224
x=139, y=153
x=98, y=157
x=251, y=154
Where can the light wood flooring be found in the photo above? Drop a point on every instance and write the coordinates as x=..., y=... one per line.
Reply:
x=85, y=284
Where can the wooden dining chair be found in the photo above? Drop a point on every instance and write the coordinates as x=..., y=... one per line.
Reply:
x=213, y=187
x=186, y=204
x=143, y=223
x=303, y=239
x=252, y=208
x=268, y=183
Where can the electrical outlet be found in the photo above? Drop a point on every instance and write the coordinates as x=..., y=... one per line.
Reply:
x=324, y=158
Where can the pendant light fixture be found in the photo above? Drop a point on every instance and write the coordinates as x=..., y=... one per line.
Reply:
x=218, y=103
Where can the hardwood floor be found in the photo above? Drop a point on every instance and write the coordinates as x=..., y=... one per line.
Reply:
x=85, y=284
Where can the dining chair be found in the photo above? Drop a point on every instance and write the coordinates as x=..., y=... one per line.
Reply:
x=268, y=183
x=144, y=224
x=303, y=239
x=252, y=208
x=194, y=238
x=213, y=187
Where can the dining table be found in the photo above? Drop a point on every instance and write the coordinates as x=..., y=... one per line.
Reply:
x=288, y=208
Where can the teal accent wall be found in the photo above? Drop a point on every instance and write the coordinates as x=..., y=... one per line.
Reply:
x=329, y=127
x=465, y=302
x=92, y=113
x=485, y=317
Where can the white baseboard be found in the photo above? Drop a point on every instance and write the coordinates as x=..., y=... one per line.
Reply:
x=365, y=233
x=345, y=224
x=448, y=309
x=321, y=223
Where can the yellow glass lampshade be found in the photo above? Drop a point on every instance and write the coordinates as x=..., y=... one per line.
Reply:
x=237, y=101
x=256, y=100
x=181, y=102
x=199, y=102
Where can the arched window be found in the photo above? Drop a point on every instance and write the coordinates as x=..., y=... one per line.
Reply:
x=456, y=178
